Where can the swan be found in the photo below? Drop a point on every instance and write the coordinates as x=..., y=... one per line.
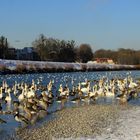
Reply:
x=86, y=90
x=8, y=97
x=30, y=93
x=108, y=91
x=1, y=93
x=21, y=96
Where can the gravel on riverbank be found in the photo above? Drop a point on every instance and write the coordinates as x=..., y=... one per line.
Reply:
x=77, y=122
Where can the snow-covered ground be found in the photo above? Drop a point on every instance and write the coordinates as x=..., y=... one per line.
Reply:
x=127, y=127
x=12, y=64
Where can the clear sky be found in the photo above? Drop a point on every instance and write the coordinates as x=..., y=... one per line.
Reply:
x=108, y=24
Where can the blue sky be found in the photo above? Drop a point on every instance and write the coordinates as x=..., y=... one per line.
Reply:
x=107, y=24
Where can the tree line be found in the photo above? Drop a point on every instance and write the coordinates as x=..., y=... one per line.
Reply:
x=51, y=49
x=61, y=50
x=121, y=56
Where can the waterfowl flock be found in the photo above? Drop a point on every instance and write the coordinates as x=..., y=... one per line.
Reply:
x=28, y=103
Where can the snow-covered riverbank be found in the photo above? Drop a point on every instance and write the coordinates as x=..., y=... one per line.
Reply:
x=35, y=66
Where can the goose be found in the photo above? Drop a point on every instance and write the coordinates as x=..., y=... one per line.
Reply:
x=16, y=105
x=0, y=107
x=42, y=113
x=76, y=100
x=2, y=121
x=93, y=97
x=85, y=98
x=29, y=104
x=132, y=95
x=31, y=114
x=3, y=100
x=20, y=118
x=45, y=95
x=122, y=98
x=50, y=95
x=1, y=111
x=78, y=97
x=73, y=91
x=62, y=98
x=43, y=104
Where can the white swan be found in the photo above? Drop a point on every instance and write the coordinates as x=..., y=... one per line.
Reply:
x=1, y=94
x=8, y=97
x=30, y=93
